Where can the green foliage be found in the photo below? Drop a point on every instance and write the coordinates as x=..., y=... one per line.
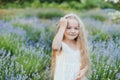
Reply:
x=115, y=3
x=12, y=5
x=73, y=4
x=49, y=32
x=99, y=34
x=6, y=18
x=35, y=4
x=103, y=5
x=76, y=5
x=31, y=63
x=115, y=16
x=98, y=17
x=28, y=28
x=100, y=69
x=90, y=4
x=27, y=62
x=26, y=4
x=102, y=36
x=9, y=43
x=32, y=32
x=115, y=33
x=50, y=13
x=58, y=1
x=64, y=5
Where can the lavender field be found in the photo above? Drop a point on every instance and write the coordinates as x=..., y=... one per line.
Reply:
x=25, y=45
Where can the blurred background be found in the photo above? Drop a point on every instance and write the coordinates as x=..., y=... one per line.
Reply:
x=27, y=28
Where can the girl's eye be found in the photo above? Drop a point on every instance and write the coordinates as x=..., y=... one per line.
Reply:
x=68, y=27
x=76, y=28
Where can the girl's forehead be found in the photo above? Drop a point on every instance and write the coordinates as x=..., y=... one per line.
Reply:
x=72, y=22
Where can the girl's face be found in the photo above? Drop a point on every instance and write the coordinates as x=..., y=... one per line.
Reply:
x=72, y=29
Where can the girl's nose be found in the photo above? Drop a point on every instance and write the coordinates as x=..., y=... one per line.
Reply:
x=72, y=30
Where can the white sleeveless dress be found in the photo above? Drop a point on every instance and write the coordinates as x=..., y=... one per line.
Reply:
x=67, y=64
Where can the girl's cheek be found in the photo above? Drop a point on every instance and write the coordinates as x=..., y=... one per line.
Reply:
x=77, y=31
x=67, y=31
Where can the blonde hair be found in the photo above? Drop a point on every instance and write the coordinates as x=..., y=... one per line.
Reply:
x=81, y=41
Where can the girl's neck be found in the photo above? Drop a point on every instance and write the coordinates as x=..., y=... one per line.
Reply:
x=71, y=42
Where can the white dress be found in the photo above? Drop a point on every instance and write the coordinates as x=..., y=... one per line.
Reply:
x=67, y=64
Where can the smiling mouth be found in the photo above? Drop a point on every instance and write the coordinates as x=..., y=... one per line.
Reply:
x=72, y=35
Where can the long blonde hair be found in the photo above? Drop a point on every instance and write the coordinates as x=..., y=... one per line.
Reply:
x=81, y=41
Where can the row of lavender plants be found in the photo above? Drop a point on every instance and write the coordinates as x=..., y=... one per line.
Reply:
x=104, y=43
x=24, y=51
x=25, y=48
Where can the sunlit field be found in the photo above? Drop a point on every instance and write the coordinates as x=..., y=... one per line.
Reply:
x=26, y=36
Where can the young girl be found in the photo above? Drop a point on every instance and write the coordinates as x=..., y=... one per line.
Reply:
x=70, y=60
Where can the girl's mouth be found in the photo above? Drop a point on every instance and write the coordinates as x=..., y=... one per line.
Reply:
x=72, y=34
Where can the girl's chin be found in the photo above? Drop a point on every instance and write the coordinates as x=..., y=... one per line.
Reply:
x=71, y=38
